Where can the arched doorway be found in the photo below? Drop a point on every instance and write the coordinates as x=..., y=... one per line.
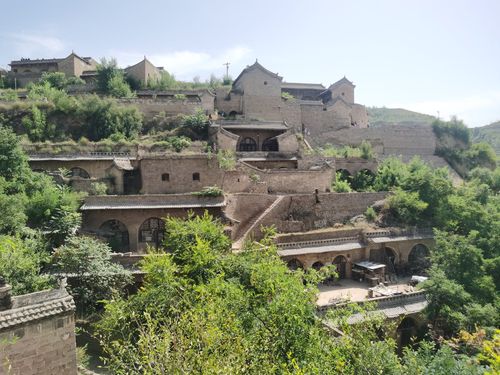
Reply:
x=294, y=265
x=248, y=144
x=406, y=330
x=390, y=259
x=116, y=234
x=152, y=231
x=340, y=262
x=270, y=144
x=363, y=180
x=418, y=258
x=317, y=265
x=79, y=172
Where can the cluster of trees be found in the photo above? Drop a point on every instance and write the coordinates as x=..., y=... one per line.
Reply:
x=204, y=309
x=38, y=234
x=465, y=261
x=54, y=115
x=454, y=144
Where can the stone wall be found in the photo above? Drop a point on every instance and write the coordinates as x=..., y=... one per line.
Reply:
x=396, y=139
x=171, y=107
x=180, y=170
x=37, y=335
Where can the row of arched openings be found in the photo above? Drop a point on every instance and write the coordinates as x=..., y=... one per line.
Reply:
x=151, y=231
x=418, y=260
x=248, y=144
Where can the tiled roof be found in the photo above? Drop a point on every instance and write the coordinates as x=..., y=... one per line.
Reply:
x=136, y=202
x=293, y=85
x=34, y=61
x=256, y=65
x=31, y=307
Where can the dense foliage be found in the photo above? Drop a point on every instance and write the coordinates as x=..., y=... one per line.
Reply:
x=203, y=309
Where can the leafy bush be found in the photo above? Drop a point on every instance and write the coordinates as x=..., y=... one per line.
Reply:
x=21, y=263
x=366, y=150
x=179, y=143
x=36, y=126
x=195, y=126
x=111, y=81
x=406, y=207
x=97, y=277
x=287, y=96
x=8, y=95
x=98, y=188
x=180, y=97
x=341, y=185
x=226, y=159
x=370, y=214
x=209, y=191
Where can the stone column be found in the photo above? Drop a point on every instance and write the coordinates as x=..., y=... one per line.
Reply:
x=5, y=295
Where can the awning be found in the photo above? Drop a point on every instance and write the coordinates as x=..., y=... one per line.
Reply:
x=370, y=265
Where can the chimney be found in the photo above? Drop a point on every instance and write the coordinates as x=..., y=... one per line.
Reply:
x=5, y=300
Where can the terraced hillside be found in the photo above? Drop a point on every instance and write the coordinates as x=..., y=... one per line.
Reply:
x=489, y=134
x=381, y=116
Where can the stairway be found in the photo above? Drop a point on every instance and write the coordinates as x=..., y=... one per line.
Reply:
x=254, y=224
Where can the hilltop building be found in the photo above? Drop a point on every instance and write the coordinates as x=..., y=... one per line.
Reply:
x=144, y=72
x=25, y=71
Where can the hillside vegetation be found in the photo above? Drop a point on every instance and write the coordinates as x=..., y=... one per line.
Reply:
x=489, y=134
x=382, y=116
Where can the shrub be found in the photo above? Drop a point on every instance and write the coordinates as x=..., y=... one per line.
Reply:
x=287, y=96
x=370, y=214
x=366, y=150
x=340, y=185
x=209, y=191
x=98, y=188
x=406, y=206
x=8, y=95
x=226, y=159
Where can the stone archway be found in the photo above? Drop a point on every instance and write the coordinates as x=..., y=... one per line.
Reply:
x=406, y=330
x=294, y=264
x=418, y=258
x=317, y=265
x=363, y=180
x=340, y=262
x=248, y=145
x=344, y=174
x=116, y=235
x=152, y=231
x=79, y=172
x=270, y=144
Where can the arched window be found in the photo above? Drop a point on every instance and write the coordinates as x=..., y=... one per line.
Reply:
x=79, y=172
x=196, y=176
x=344, y=174
x=152, y=231
x=248, y=144
x=418, y=258
x=116, y=234
x=294, y=264
x=270, y=144
x=340, y=262
x=317, y=265
x=165, y=177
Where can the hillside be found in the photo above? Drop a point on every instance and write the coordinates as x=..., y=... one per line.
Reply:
x=381, y=116
x=489, y=134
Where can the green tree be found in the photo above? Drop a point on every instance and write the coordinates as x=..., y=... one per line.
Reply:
x=13, y=161
x=21, y=263
x=37, y=127
x=406, y=207
x=111, y=81
x=96, y=277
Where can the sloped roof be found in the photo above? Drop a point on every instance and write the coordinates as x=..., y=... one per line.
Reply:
x=142, y=62
x=35, y=306
x=153, y=201
x=296, y=85
x=35, y=61
x=341, y=81
x=254, y=66
x=123, y=164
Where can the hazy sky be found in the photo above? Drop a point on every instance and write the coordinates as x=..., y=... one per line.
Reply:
x=426, y=56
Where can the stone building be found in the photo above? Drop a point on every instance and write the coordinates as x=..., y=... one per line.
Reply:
x=25, y=71
x=144, y=72
x=259, y=94
x=37, y=332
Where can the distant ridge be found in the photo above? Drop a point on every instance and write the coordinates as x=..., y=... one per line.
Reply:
x=381, y=116
x=489, y=134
